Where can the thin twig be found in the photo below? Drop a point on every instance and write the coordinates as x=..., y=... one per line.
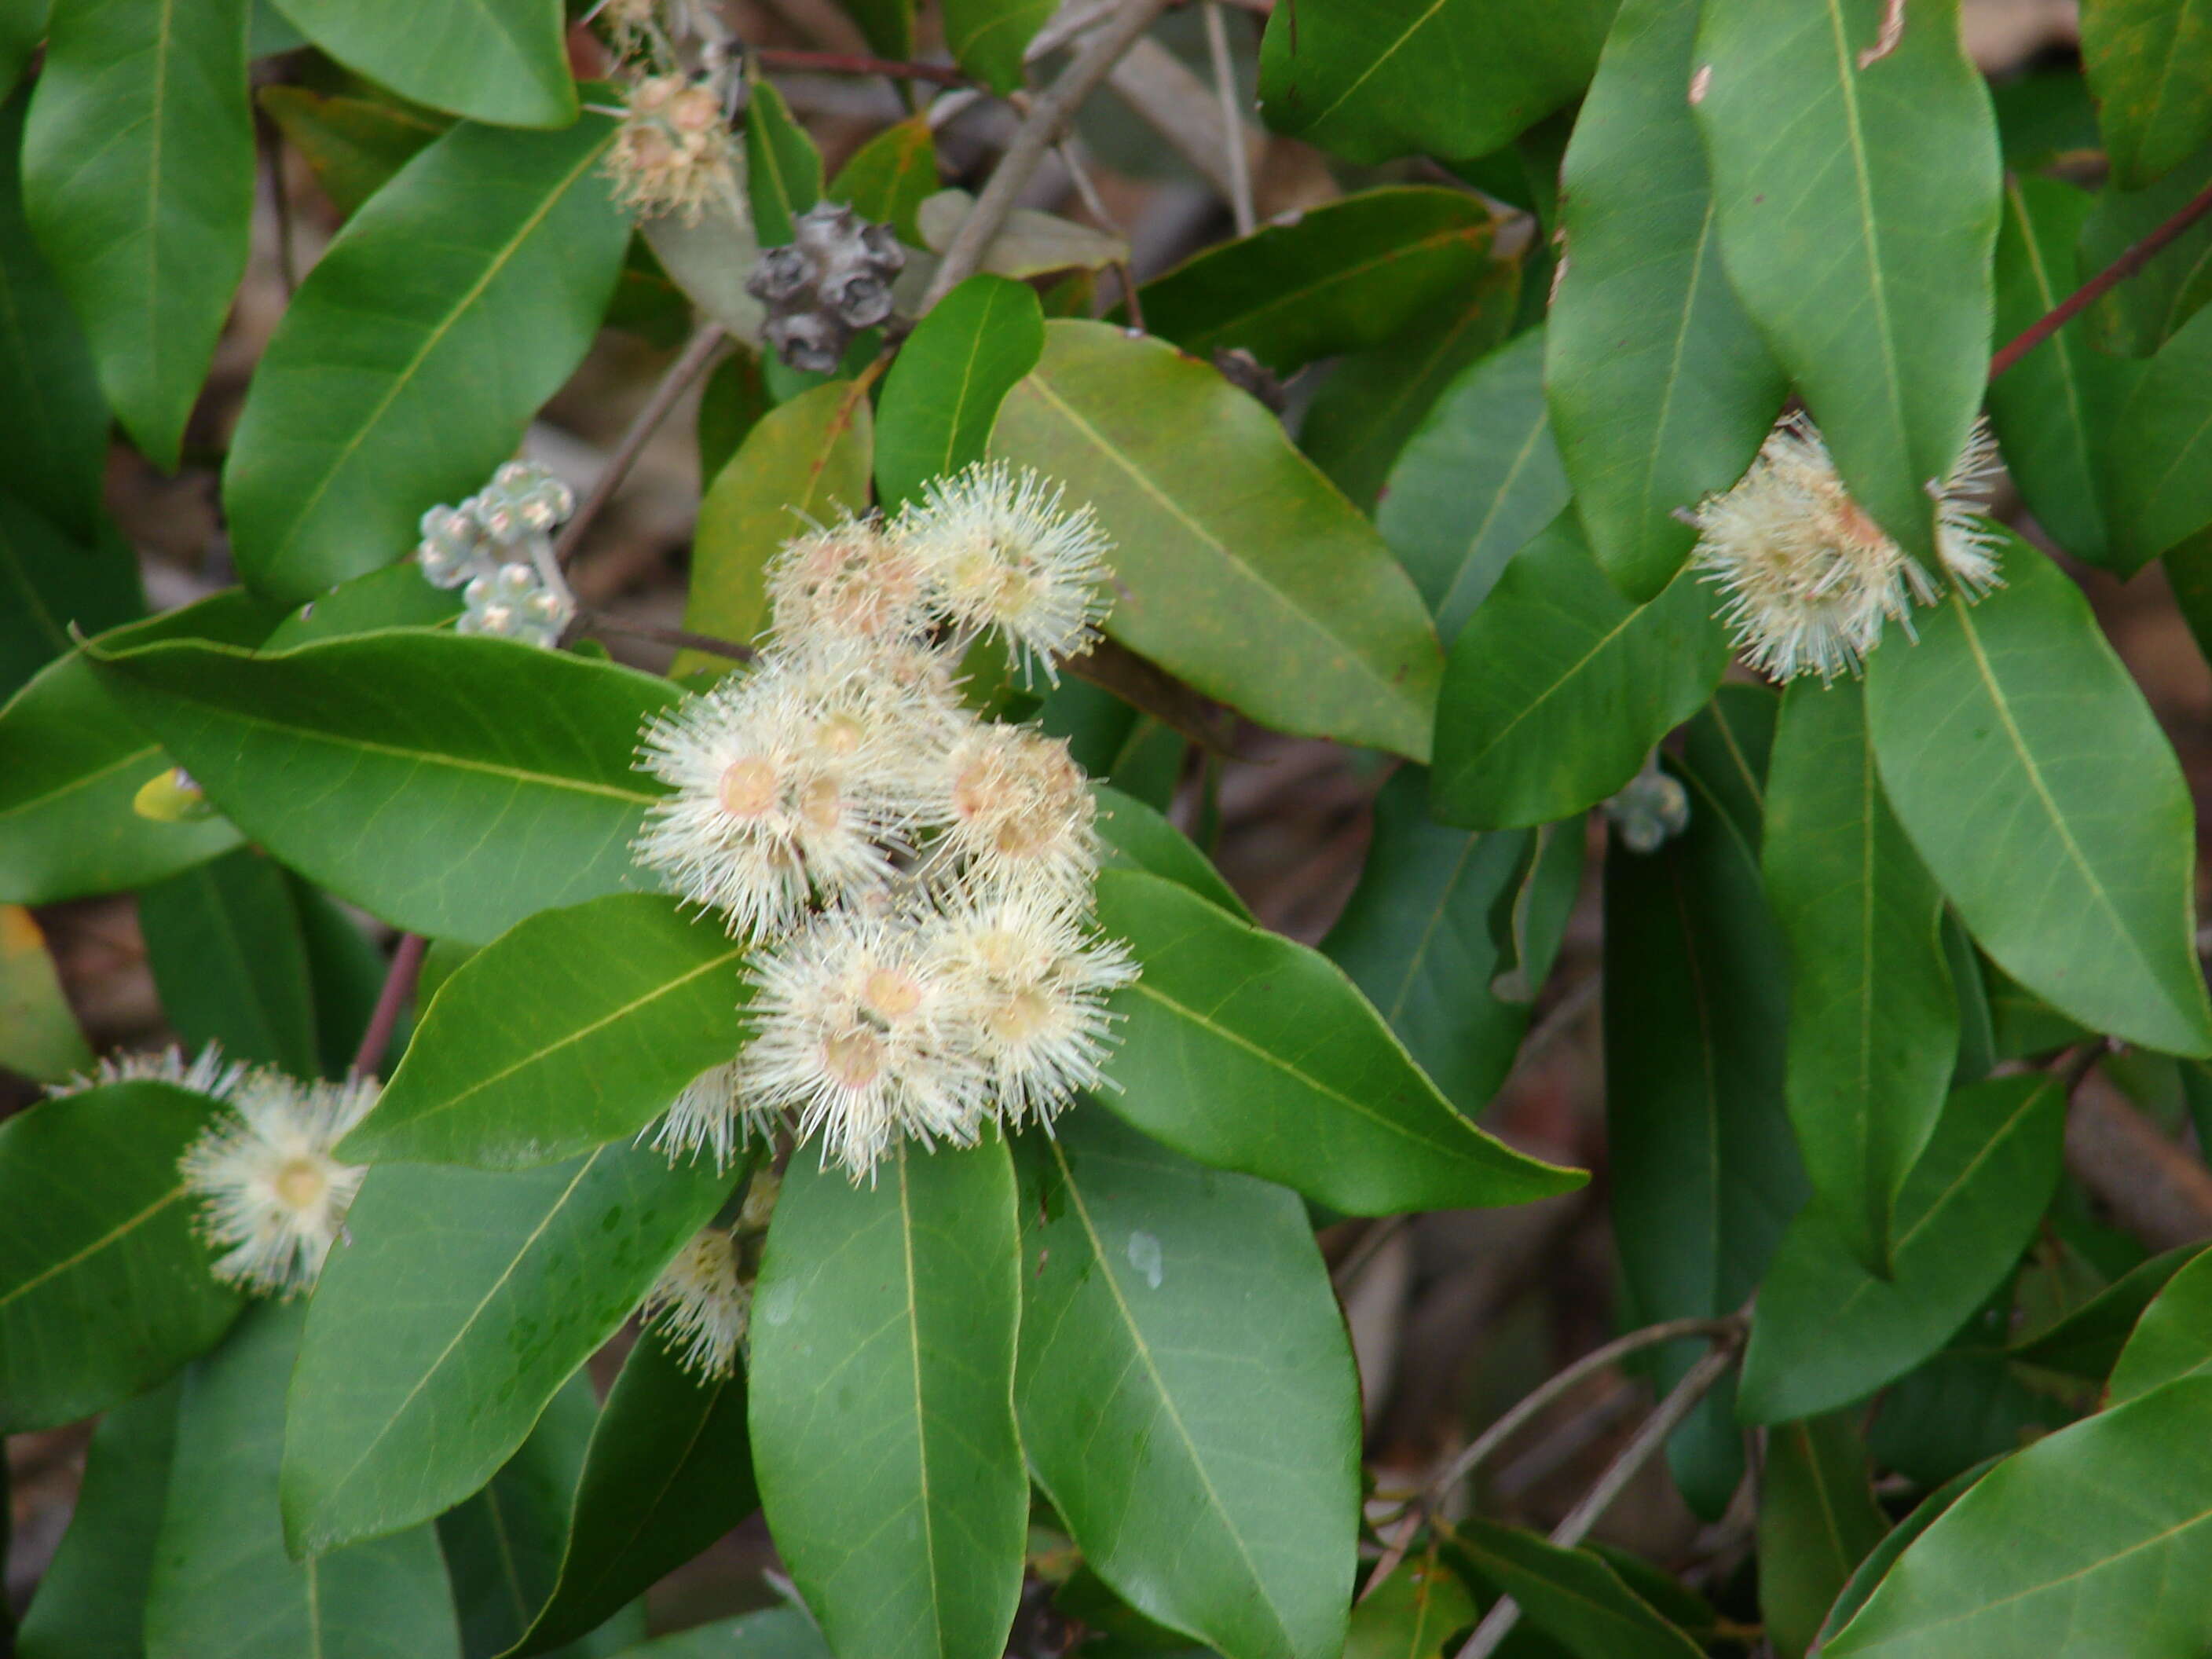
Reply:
x=398, y=985
x=1040, y=130
x=288, y=269
x=697, y=357
x=598, y=621
x=1680, y=1403
x=1233, y=119
x=845, y=62
x=2105, y=280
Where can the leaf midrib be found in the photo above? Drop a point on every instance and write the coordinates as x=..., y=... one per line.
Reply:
x=1291, y=298
x=85, y=1253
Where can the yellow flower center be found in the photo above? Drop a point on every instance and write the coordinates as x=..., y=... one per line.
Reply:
x=854, y=1057
x=302, y=1183
x=748, y=788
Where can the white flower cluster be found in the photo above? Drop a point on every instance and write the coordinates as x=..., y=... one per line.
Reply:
x=272, y=1198
x=674, y=152
x=920, y=879
x=497, y=548
x=702, y=1302
x=1809, y=577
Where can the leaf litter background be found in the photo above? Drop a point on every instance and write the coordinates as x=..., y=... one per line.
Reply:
x=1454, y=1315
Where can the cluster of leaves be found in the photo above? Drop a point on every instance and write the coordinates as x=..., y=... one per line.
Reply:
x=1817, y=995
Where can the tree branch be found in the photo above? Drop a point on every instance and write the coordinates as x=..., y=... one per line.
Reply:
x=599, y=622
x=697, y=357
x=1233, y=119
x=845, y=62
x=399, y=981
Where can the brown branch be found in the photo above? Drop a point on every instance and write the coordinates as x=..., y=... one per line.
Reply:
x=845, y=62
x=2152, y=1186
x=1151, y=690
x=399, y=981
x=696, y=358
x=598, y=621
x=2105, y=281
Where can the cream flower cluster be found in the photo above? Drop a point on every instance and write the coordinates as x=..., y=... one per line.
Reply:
x=674, y=152
x=921, y=879
x=272, y=1198
x=702, y=1304
x=1809, y=578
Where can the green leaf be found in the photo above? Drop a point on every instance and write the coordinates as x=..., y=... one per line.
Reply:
x=503, y=61
x=1187, y=1392
x=22, y=27
x=1248, y=1052
x=1571, y=1594
x=1857, y=193
x=353, y=145
x=448, y=309
x=53, y=421
x=91, y=1600
x=230, y=960
x=1228, y=536
x=394, y=597
x=891, y=176
x=988, y=38
x=1558, y=688
x=577, y=1027
x=888, y=25
x=1827, y=1333
x=731, y=404
x=2141, y=314
x=1416, y=937
x=2052, y=410
x=1900, y=1537
x=783, y=169
x=105, y=1288
x=222, y=1583
x=1412, y=1615
x=2149, y=66
x=465, y=1301
x=1660, y=387
x=1967, y=1404
x=503, y=1547
x=2110, y=1572
x=513, y=764
x=2087, y=1341
x=75, y=761
x=2011, y=738
x=345, y=973
x=1346, y=275
x=669, y=1471
x=1137, y=837
x=1874, y=1023
x=1368, y=80
x=943, y=391
x=1478, y=479
x=1705, y=1171
x=1374, y=401
x=144, y=221
x=1817, y=1521
x=2160, y=449
x=882, y=1379
x=39, y=1035
x=2169, y=1341
x=806, y=459
x=773, y=1633
x=50, y=584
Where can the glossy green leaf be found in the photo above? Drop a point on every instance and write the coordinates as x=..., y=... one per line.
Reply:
x=1660, y=387
x=882, y=1382
x=888, y=25
x=575, y=1028
x=1558, y=688
x=446, y=312
x=783, y=168
x=1417, y=937
x=1817, y=1521
x=1967, y=1404
x=1827, y=1333
x=2139, y=315
x=503, y=1547
x=1248, y=1052
x=988, y=38
x=230, y=960
x=890, y=177
x=1370, y=79
x=513, y=763
x=2170, y=1341
x=2012, y=740
x=49, y=584
x=1874, y=1023
x=2161, y=449
x=2113, y=1573
x=1347, y=275
x=1705, y=1171
x=669, y=1470
x=2087, y=1341
x=1880, y=1559
x=148, y=244
x=731, y=404
x=1478, y=478
x=1413, y=1614
x=222, y=1583
x=105, y=1288
x=353, y=145
x=773, y=1633
x=53, y=421
x=808, y=458
x=75, y=761
x=1187, y=1392
x=1374, y=401
x=1226, y=537
x=465, y=1300
x=394, y=597
x=1137, y=837
x=39, y=1035
x=1569, y=1595
x=503, y=61
x=22, y=27
x=1857, y=194
x=91, y=1600
x=2149, y=64
x=943, y=391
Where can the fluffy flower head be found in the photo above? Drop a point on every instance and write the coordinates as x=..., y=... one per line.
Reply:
x=207, y=1073
x=674, y=152
x=850, y=584
x=1016, y=815
x=272, y=1196
x=700, y=1304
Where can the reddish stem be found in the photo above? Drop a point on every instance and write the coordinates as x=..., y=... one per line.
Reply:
x=398, y=985
x=845, y=62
